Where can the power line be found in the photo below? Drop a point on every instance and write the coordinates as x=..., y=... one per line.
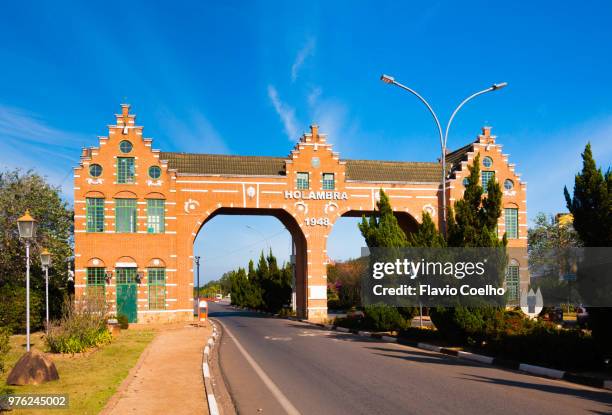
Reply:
x=246, y=246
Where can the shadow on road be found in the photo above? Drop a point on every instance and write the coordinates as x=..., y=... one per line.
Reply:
x=240, y=313
x=422, y=357
x=604, y=397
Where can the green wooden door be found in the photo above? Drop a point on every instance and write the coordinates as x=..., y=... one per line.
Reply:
x=126, y=293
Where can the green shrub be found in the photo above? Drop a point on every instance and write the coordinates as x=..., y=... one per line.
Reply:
x=383, y=318
x=64, y=341
x=467, y=325
x=546, y=345
x=418, y=334
x=123, y=321
x=286, y=312
x=408, y=312
x=5, y=336
x=354, y=322
x=80, y=328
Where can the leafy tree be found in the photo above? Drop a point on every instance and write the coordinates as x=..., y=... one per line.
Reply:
x=27, y=190
x=550, y=243
x=5, y=346
x=344, y=279
x=226, y=283
x=591, y=206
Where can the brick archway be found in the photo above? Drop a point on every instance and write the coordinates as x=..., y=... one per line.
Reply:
x=308, y=190
x=297, y=237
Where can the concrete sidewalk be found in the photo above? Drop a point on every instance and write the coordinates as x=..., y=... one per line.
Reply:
x=168, y=375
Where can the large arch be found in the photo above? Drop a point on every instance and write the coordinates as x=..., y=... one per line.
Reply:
x=299, y=249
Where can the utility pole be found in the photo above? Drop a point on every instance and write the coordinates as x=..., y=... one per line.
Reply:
x=197, y=261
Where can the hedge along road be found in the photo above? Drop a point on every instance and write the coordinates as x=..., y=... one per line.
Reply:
x=303, y=369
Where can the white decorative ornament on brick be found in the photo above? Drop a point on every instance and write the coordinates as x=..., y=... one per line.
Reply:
x=191, y=205
x=94, y=181
x=301, y=207
x=154, y=182
x=330, y=207
x=250, y=192
x=430, y=209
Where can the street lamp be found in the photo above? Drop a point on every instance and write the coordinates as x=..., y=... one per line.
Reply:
x=27, y=230
x=443, y=135
x=197, y=261
x=45, y=261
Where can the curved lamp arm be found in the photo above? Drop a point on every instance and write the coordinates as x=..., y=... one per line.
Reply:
x=390, y=80
x=493, y=87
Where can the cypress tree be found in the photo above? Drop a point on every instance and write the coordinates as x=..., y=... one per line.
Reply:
x=591, y=206
x=591, y=203
x=473, y=221
x=382, y=228
x=251, y=274
x=262, y=270
x=426, y=234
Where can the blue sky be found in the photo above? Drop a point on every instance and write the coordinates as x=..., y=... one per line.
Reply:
x=249, y=77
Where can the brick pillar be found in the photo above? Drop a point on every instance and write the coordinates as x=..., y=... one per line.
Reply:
x=316, y=273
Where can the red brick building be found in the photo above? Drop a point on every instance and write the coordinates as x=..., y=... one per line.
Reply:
x=138, y=210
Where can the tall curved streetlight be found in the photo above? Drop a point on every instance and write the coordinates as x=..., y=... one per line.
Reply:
x=45, y=261
x=443, y=135
x=26, y=225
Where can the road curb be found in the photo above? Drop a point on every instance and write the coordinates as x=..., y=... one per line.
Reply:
x=213, y=408
x=473, y=357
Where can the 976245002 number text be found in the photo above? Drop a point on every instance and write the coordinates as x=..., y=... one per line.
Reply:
x=34, y=401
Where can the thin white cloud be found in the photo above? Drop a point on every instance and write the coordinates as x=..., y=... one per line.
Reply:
x=192, y=132
x=18, y=124
x=285, y=112
x=29, y=142
x=313, y=96
x=306, y=51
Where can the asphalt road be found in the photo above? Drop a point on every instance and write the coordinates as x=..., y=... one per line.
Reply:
x=275, y=366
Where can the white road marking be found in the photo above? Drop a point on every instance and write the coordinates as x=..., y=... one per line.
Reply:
x=280, y=397
x=277, y=338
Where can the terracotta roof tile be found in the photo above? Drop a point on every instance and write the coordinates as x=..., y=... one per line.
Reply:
x=392, y=171
x=189, y=163
x=359, y=170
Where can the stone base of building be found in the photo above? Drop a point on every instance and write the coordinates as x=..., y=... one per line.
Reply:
x=317, y=315
x=165, y=316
